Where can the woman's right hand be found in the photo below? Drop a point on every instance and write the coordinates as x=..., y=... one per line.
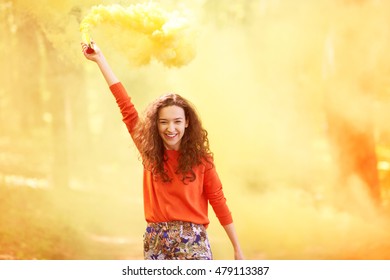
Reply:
x=91, y=52
x=97, y=56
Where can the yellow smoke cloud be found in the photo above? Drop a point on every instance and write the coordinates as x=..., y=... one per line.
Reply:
x=149, y=32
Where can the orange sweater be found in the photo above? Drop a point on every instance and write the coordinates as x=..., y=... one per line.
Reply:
x=175, y=201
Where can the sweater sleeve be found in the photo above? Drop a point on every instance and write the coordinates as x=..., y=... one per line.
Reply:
x=128, y=111
x=216, y=197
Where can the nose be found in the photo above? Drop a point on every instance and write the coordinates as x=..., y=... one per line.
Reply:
x=171, y=127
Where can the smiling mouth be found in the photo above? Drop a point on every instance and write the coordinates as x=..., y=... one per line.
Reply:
x=171, y=136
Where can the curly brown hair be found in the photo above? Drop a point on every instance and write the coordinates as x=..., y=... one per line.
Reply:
x=194, y=146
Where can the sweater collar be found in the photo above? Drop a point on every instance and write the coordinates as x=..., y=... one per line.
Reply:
x=172, y=153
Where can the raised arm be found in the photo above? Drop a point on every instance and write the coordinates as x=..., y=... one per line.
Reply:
x=98, y=57
x=128, y=111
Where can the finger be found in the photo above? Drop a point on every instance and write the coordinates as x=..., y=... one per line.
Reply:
x=85, y=50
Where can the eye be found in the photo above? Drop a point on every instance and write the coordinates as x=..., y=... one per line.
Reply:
x=178, y=122
x=163, y=122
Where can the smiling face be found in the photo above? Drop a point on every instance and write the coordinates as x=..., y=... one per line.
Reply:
x=171, y=124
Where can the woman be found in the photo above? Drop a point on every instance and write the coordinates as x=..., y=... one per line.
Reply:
x=179, y=175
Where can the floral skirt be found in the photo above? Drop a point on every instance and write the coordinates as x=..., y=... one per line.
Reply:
x=176, y=240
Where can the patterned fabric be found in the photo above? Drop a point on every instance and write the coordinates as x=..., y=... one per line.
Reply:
x=176, y=240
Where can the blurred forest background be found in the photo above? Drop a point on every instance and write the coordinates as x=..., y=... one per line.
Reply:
x=295, y=96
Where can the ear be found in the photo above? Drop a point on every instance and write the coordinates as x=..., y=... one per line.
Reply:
x=187, y=123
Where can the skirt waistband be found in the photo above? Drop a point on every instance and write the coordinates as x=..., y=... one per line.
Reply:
x=172, y=224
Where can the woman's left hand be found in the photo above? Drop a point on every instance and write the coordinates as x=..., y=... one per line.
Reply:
x=238, y=255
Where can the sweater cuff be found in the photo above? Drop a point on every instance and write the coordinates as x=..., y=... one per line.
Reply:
x=116, y=88
x=226, y=220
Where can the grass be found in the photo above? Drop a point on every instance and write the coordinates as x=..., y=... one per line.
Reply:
x=32, y=227
x=52, y=225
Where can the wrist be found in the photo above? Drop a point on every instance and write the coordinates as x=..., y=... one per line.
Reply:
x=100, y=59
